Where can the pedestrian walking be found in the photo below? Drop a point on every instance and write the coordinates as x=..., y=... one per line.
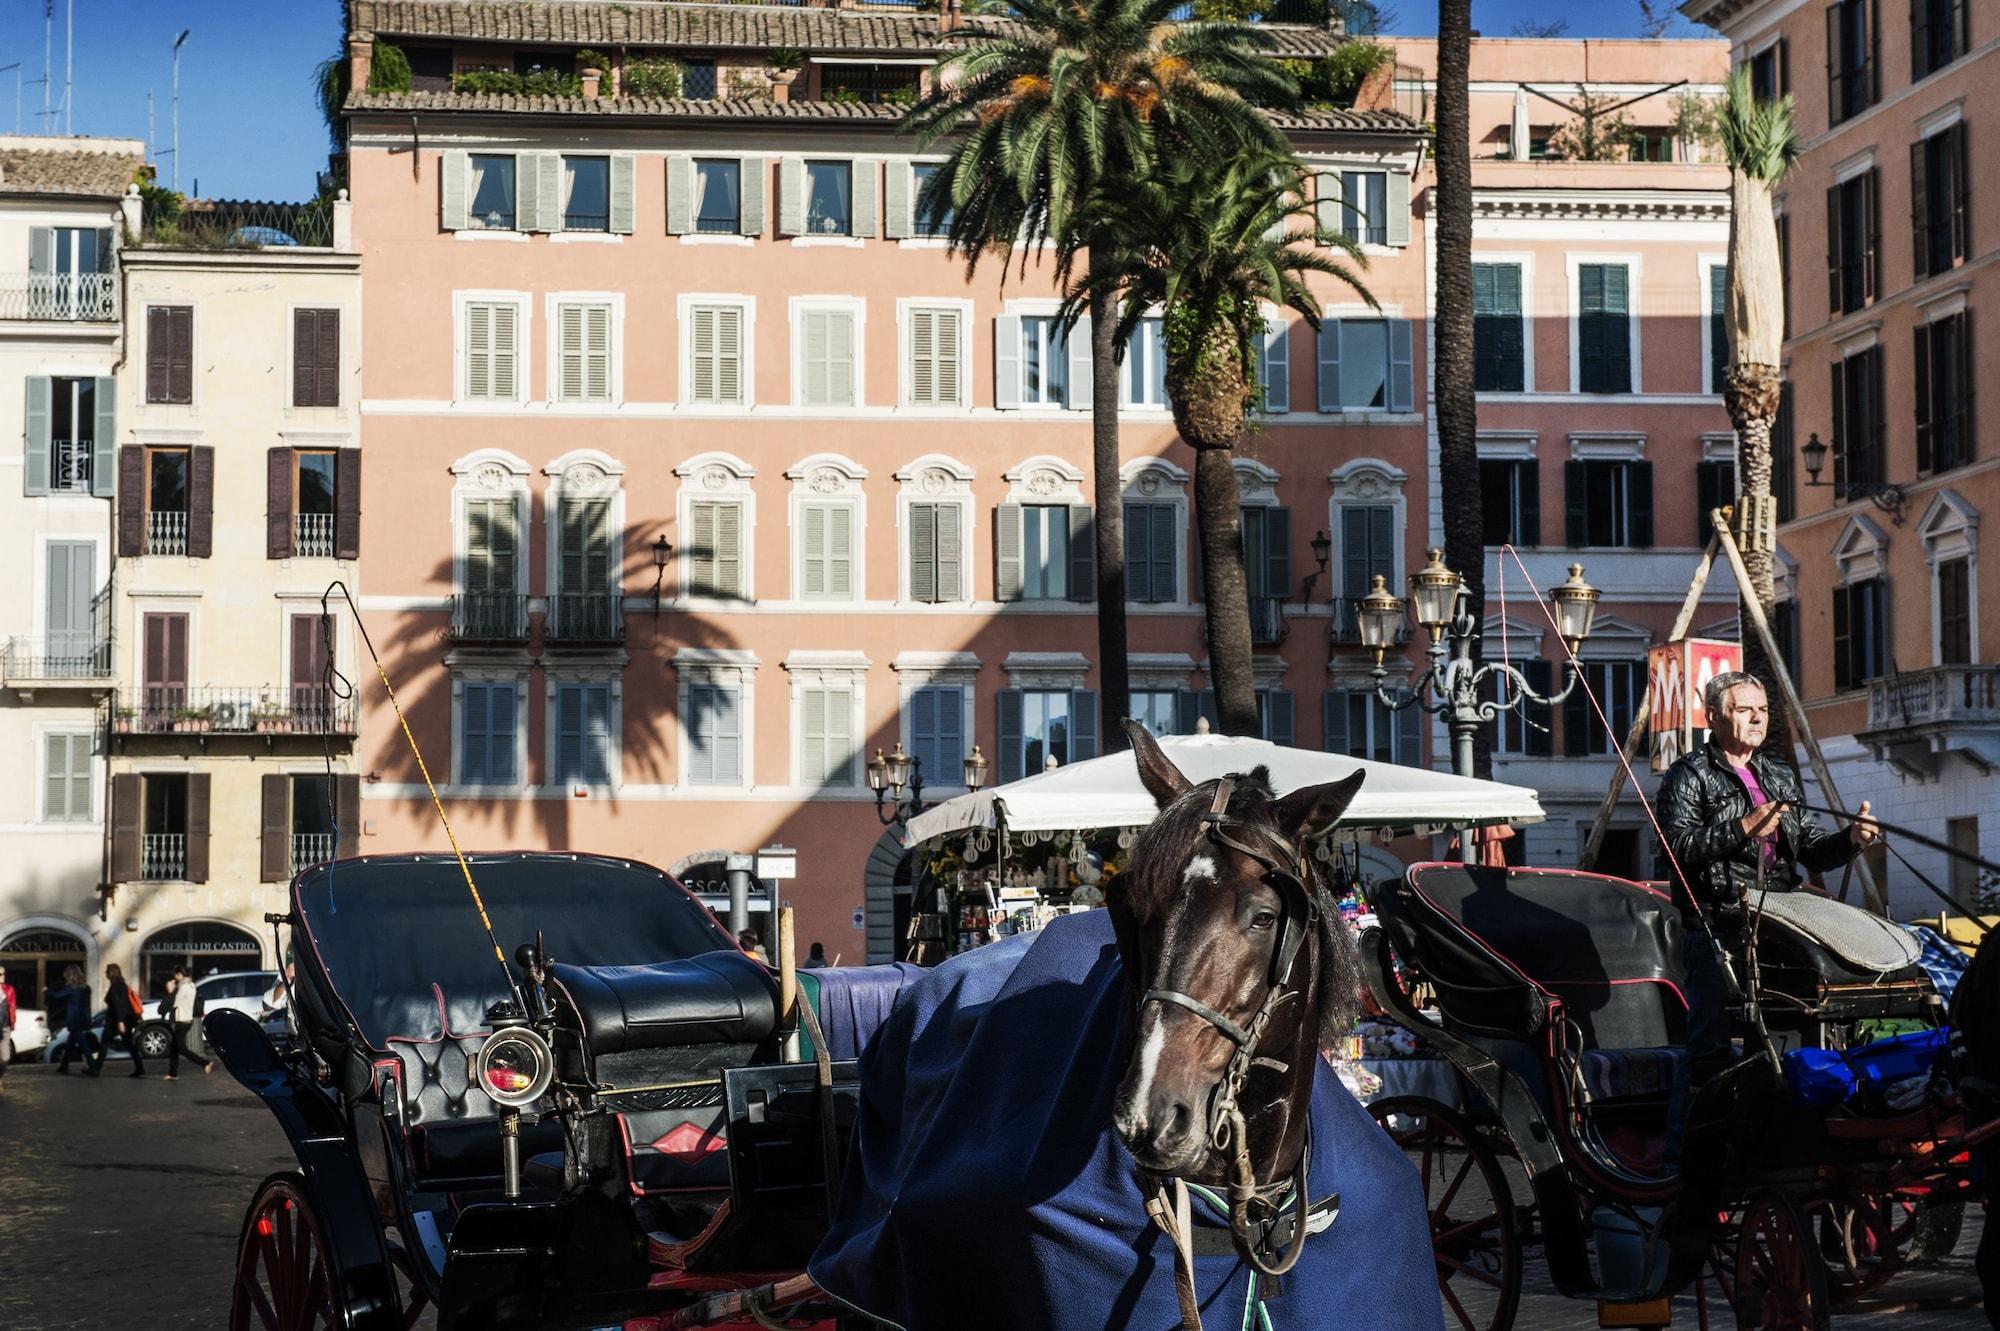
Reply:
x=180, y=1005
x=74, y=995
x=7, y=1011
x=121, y=1022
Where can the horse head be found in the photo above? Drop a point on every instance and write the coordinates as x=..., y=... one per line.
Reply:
x=1238, y=962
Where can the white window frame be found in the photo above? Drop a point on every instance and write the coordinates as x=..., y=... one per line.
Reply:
x=829, y=480
x=490, y=473
x=489, y=670
x=828, y=670
x=583, y=473
x=1024, y=310
x=951, y=670
x=686, y=305
x=1159, y=481
x=1574, y=262
x=934, y=479
x=1525, y=261
x=614, y=372
x=556, y=676
x=725, y=668
x=905, y=353
x=914, y=241
x=1043, y=482
x=523, y=305
x=1949, y=530
x=1128, y=368
x=720, y=477
x=1706, y=264
x=1369, y=483
x=94, y=795
x=856, y=308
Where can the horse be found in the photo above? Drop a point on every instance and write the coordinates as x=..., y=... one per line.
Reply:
x=1975, y=1016
x=1126, y=1116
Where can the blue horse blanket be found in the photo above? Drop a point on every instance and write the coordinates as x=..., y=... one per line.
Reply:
x=986, y=1188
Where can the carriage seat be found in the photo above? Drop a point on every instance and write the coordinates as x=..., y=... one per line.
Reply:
x=717, y=998
x=1624, y=1074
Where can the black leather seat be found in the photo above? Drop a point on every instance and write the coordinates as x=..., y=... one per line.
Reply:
x=717, y=998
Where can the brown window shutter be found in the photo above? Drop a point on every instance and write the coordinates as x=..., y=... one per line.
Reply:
x=159, y=351
x=180, y=372
x=276, y=864
x=128, y=806
x=326, y=360
x=197, y=827
x=201, y=502
x=131, y=501
x=347, y=815
x=347, y=504
x=305, y=347
x=278, y=483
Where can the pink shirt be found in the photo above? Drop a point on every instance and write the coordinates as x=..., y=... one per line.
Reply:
x=1767, y=844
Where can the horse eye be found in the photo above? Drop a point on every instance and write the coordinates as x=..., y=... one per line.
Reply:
x=1263, y=919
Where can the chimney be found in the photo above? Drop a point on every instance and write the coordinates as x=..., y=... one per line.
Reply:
x=1378, y=91
x=781, y=88
x=948, y=16
x=592, y=80
x=360, y=60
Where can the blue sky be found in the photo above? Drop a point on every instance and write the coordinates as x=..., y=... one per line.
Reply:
x=249, y=126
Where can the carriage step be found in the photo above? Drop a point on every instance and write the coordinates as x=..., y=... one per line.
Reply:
x=1649, y=1315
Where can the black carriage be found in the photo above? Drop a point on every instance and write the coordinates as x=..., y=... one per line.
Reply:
x=600, y=1131
x=1557, y=996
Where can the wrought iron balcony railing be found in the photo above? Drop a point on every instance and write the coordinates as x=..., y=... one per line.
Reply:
x=586, y=617
x=310, y=848
x=166, y=532
x=169, y=709
x=163, y=856
x=76, y=659
x=70, y=466
x=60, y=297
x=312, y=535
x=489, y=616
x=1267, y=621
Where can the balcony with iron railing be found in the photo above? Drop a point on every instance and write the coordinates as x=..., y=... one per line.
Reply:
x=80, y=660
x=312, y=535
x=70, y=466
x=165, y=709
x=1267, y=621
x=59, y=297
x=163, y=857
x=586, y=618
x=489, y=616
x=1918, y=717
x=310, y=848
x=166, y=532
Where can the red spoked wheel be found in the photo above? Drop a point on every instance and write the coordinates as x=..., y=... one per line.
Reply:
x=1780, y=1281
x=1473, y=1233
x=282, y=1279
x=1856, y=1241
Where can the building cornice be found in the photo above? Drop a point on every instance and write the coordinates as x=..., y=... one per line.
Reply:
x=1603, y=205
x=271, y=259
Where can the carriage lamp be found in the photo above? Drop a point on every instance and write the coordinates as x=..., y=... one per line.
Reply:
x=1381, y=615
x=1435, y=588
x=1576, y=607
x=1888, y=498
x=514, y=1067
x=663, y=550
x=975, y=769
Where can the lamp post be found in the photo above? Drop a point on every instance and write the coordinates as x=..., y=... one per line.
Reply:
x=663, y=550
x=1888, y=498
x=889, y=777
x=1450, y=685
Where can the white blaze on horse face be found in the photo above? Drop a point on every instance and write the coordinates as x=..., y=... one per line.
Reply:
x=1149, y=1061
x=1200, y=869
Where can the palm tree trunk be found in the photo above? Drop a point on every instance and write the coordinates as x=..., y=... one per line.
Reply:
x=1452, y=329
x=1113, y=679
x=1751, y=394
x=1225, y=590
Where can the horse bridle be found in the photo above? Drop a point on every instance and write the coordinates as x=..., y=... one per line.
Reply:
x=1250, y=1211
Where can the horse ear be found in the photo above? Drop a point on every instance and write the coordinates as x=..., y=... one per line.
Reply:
x=1310, y=811
x=1163, y=781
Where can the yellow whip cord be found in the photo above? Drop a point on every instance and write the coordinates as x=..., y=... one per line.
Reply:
x=423, y=768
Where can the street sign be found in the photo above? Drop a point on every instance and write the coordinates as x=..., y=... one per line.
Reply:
x=775, y=864
x=860, y=919
x=1675, y=676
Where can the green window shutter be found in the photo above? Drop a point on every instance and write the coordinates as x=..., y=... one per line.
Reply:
x=1327, y=207
x=1276, y=366
x=1576, y=504
x=104, y=440
x=701, y=354
x=1402, y=365
x=1165, y=542
x=951, y=553
x=1138, y=554
x=1399, y=208
x=505, y=352
x=473, y=701
x=812, y=743
x=569, y=353
x=699, y=729
x=40, y=392
x=623, y=181
x=923, y=357
x=1639, y=489
x=1083, y=725
x=842, y=391
x=867, y=221
x=730, y=385
x=839, y=737
x=478, y=351
x=1718, y=326
x=729, y=549
x=923, y=552
x=1278, y=712
x=41, y=249
x=1007, y=552
x=1590, y=330
x=924, y=706
x=1007, y=362
x=573, y=552
x=1008, y=716
x=548, y=170
x=55, y=778
x=840, y=553
x=1329, y=365
x=752, y=174
x=814, y=355
x=701, y=554
x=680, y=194
x=1078, y=339
x=455, y=169
x=1333, y=721
x=791, y=196
x=728, y=736
x=896, y=200
x=948, y=364
x=527, y=192
x=814, y=565
x=1082, y=554
x=597, y=353
x=569, y=732
x=1617, y=336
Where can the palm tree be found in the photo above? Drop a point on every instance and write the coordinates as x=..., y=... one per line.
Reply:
x=1044, y=116
x=1210, y=242
x=1760, y=142
x=1451, y=327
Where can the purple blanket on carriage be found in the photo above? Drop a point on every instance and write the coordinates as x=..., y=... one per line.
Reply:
x=986, y=1189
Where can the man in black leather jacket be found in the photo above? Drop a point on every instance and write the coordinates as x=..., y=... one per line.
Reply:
x=1729, y=814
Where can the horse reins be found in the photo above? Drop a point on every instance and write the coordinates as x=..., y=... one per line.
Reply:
x=1250, y=1210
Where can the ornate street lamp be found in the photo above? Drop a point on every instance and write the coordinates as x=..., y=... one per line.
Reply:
x=890, y=777
x=663, y=550
x=1450, y=685
x=975, y=769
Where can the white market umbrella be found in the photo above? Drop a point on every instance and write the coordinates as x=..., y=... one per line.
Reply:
x=1106, y=792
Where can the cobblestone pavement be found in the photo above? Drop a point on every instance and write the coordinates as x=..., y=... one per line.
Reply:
x=120, y=1201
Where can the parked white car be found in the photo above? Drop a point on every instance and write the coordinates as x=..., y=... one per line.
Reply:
x=242, y=990
x=31, y=1033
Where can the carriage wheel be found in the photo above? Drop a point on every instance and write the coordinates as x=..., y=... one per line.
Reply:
x=1473, y=1234
x=1926, y=1230
x=282, y=1280
x=1856, y=1241
x=1780, y=1283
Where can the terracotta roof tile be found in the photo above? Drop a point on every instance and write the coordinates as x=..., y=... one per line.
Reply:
x=60, y=171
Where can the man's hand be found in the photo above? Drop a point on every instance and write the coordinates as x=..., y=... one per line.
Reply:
x=1763, y=820
x=1863, y=830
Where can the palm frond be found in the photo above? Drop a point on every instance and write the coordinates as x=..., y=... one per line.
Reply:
x=1759, y=138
